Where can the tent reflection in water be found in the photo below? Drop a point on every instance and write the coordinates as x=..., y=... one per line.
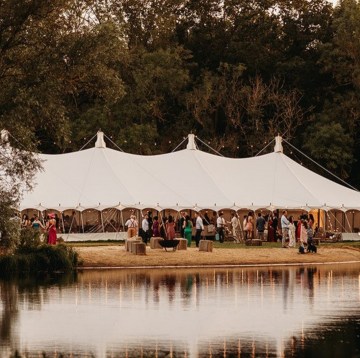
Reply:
x=101, y=178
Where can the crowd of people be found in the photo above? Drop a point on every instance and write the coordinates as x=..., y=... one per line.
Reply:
x=286, y=229
x=47, y=226
x=271, y=227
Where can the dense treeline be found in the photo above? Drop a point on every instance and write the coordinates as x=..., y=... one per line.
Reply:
x=148, y=72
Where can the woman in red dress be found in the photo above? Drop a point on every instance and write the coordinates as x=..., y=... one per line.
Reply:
x=170, y=229
x=52, y=232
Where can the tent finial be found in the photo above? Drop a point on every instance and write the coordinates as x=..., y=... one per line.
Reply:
x=278, y=146
x=191, y=142
x=4, y=134
x=100, y=142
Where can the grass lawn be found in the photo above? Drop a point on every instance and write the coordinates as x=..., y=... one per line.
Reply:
x=225, y=245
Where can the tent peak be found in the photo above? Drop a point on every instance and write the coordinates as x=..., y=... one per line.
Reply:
x=4, y=134
x=191, y=142
x=278, y=144
x=100, y=142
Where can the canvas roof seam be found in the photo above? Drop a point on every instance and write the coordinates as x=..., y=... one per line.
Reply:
x=212, y=179
x=68, y=183
x=84, y=181
x=282, y=156
x=151, y=174
x=115, y=175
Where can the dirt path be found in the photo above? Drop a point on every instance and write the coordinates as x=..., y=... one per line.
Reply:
x=116, y=256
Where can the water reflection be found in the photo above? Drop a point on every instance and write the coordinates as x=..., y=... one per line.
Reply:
x=249, y=312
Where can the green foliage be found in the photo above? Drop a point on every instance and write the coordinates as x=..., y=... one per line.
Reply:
x=29, y=239
x=43, y=258
x=328, y=143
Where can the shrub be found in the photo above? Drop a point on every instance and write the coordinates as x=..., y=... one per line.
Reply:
x=43, y=258
x=8, y=265
x=29, y=239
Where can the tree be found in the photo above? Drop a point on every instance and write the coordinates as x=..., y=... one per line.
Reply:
x=17, y=169
x=243, y=115
x=340, y=61
x=330, y=146
x=53, y=65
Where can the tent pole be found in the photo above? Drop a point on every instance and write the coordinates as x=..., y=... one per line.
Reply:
x=176, y=219
x=162, y=223
x=82, y=221
x=102, y=220
x=325, y=221
x=72, y=220
x=348, y=222
x=122, y=220
x=62, y=219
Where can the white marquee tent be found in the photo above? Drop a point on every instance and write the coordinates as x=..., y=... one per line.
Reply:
x=102, y=178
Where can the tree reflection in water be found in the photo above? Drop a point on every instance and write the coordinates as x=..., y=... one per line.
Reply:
x=247, y=312
x=29, y=291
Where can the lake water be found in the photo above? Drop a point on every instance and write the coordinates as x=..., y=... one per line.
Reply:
x=247, y=312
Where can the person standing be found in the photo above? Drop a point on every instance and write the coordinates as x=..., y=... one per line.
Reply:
x=275, y=223
x=244, y=225
x=260, y=226
x=284, y=228
x=150, y=221
x=234, y=225
x=292, y=238
x=25, y=222
x=310, y=233
x=182, y=224
x=303, y=233
x=37, y=224
x=156, y=227
x=199, y=225
x=145, y=229
x=170, y=228
x=220, y=226
x=52, y=237
x=188, y=230
x=132, y=226
x=250, y=226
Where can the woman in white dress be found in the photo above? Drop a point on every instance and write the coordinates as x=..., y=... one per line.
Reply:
x=291, y=232
x=303, y=232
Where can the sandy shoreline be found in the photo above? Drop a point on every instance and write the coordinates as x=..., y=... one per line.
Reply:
x=116, y=256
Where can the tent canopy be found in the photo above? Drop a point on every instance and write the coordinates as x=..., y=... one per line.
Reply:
x=102, y=178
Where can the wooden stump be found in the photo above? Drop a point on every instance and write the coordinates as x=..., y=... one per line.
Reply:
x=182, y=244
x=254, y=242
x=154, y=243
x=139, y=248
x=130, y=240
x=206, y=245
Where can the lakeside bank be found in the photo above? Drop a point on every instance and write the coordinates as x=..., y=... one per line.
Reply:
x=115, y=256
